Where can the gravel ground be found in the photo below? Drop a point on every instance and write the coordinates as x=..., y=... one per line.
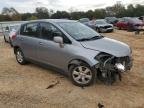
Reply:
x=25, y=86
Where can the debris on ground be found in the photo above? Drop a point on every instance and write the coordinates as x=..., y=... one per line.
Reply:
x=100, y=105
x=52, y=85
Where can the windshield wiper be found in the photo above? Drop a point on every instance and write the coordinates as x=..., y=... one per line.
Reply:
x=83, y=39
x=96, y=37
x=92, y=38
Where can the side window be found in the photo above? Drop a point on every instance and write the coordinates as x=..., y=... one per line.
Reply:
x=49, y=31
x=30, y=29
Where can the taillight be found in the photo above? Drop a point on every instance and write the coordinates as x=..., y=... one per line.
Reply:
x=13, y=37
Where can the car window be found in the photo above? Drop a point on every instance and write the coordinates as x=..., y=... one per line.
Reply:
x=30, y=29
x=49, y=31
x=78, y=31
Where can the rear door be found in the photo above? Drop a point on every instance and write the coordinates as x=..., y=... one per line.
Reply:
x=29, y=36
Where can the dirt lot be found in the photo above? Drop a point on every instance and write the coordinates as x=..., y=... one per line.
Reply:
x=25, y=86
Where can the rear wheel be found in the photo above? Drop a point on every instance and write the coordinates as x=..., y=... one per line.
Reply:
x=81, y=75
x=20, y=57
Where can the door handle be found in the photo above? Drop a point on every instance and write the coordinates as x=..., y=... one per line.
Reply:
x=40, y=43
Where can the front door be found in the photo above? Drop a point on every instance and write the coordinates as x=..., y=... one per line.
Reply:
x=50, y=52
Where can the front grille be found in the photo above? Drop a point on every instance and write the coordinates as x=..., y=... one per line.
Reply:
x=107, y=26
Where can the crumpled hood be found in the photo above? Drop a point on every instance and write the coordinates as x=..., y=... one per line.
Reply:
x=109, y=46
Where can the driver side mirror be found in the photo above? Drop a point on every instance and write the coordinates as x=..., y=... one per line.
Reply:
x=59, y=40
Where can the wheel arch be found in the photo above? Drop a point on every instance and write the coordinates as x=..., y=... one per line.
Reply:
x=78, y=61
x=15, y=48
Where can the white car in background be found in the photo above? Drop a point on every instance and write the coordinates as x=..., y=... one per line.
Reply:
x=102, y=26
x=10, y=33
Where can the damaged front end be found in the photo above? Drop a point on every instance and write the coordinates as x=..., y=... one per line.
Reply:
x=111, y=67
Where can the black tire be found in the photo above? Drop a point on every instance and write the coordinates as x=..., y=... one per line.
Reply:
x=18, y=53
x=90, y=82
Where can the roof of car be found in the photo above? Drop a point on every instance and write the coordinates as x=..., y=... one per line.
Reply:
x=53, y=20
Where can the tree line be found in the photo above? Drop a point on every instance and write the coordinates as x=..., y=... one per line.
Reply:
x=117, y=10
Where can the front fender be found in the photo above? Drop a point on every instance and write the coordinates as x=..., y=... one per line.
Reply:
x=90, y=61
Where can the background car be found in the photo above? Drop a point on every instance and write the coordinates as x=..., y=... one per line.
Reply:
x=84, y=20
x=8, y=33
x=111, y=20
x=12, y=34
x=87, y=22
x=122, y=23
x=103, y=26
x=130, y=24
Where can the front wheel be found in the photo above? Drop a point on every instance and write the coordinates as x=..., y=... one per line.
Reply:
x=82, y=75
x=20, y=57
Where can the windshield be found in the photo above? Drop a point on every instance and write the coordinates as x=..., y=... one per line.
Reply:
x=78, y=31
x=101, y=22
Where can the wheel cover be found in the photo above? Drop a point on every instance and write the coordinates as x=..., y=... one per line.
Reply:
x=82, y=75
x=19, y=56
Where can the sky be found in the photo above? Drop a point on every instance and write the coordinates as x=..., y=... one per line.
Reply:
x=24, y=6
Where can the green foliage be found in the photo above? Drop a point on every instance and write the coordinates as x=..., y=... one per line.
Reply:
x=77, y=15
x=42, y=13
x=117, y=10
x=100, y=13
x=9, y=11
x=10, y=14
x=5, y=18
x=60, y=14
x=32, y=18
x=26, y=16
